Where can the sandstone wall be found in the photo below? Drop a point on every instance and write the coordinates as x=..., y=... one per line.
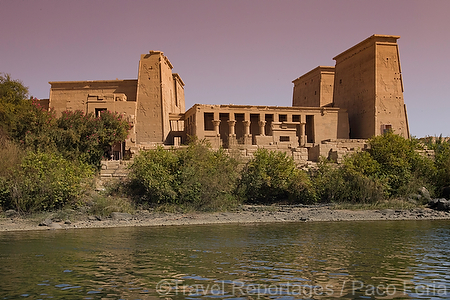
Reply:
x=354, y=88
x=88, y=95
x=149, y=107
x=389, y=103
x=315, y=88
x=368, y=84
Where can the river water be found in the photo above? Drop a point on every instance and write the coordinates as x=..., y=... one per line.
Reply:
x=347, y=260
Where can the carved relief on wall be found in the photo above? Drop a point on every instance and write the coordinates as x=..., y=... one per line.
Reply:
x=100, y=97
x=144, y=89
x=149, y=71
x=120, y=97
x=131, y=119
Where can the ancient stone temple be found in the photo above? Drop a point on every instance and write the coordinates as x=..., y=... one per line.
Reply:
x=334, y=108
x=366, y=81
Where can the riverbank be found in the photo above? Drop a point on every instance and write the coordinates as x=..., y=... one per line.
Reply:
x=247, y=214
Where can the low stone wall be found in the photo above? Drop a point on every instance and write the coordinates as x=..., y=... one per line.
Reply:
x=114, y=169
x=336, y=150
x=245, y=153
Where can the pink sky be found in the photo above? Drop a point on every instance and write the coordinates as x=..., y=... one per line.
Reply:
x=234, y=51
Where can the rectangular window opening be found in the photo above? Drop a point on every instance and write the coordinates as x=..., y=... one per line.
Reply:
x=98, y=111
x=310, y=129
x=386, y=128
x=208, y=124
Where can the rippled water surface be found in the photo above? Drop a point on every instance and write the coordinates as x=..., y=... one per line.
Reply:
x=349, y=260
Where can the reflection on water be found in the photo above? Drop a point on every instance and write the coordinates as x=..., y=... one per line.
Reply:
x=348, y=260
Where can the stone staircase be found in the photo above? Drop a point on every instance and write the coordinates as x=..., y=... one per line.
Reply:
x=112, y=170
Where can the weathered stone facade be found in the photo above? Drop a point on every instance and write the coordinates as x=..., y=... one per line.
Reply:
x=272, y=127
x=334, y=109
x=315, y=88
x=368, y=83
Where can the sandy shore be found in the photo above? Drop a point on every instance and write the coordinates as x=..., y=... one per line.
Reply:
x=248, y=214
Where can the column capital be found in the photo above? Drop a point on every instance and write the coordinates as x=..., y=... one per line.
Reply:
x=262, y=125
x=231, y=125
x=216, y=126
x=246, y=127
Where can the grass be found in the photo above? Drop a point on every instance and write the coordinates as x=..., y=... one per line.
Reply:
x=11, y=155
x=95, y=205
x=102, y=205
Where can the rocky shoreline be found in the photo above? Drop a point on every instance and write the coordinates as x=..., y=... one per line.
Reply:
x=247, y=214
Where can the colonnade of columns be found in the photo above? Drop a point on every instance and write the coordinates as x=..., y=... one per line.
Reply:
x=302, y=138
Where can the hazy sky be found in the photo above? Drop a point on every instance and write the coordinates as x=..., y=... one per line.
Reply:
x=230, y=51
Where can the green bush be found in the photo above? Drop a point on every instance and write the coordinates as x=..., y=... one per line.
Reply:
x=101, y=205
x=193, y=178
x=11, y=157
x=271, y=177
x=403, y=167
x=354, y=181
x=153, y=175
x=390, y=168
x=442, y=164
x=44, y=181
x=207, y=178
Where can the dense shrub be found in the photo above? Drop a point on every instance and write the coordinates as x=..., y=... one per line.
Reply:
x=404, y=169
x=153, y=175
x=272, y=176
x=391, y=167
x=441, y=148
x=196, y=177
x=44, y=181
x=354, y=181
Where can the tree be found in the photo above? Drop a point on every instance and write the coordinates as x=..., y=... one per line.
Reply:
x=83, y=136
x=13, y=95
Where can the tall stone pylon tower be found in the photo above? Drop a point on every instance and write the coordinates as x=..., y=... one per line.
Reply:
x=368, y=83
x=160, y=95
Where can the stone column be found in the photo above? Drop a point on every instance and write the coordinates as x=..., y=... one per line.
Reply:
x=232, y=126
x=262, y=128
x=303, y=137
x=216, y=124
x=247, y=136
x=232, y=133
x=246, y=126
